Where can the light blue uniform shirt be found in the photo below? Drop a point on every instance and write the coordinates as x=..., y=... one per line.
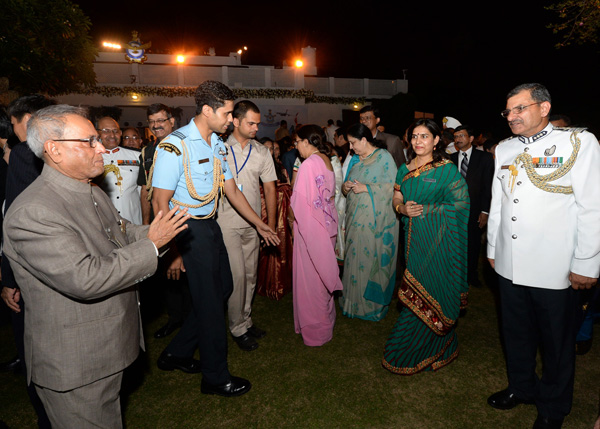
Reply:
x=168, y=168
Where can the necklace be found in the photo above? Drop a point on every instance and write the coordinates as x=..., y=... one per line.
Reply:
x=316, y=151
x=418, y=169
x=369, y=155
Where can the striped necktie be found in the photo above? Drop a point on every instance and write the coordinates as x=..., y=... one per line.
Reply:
x=464, y=166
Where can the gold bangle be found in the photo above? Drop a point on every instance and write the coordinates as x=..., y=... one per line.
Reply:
x=398, y=208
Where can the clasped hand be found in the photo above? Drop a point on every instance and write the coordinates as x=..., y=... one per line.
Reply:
x=354, y=186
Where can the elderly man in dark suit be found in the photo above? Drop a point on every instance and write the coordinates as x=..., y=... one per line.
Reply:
x=76, y=262
x=477, y=167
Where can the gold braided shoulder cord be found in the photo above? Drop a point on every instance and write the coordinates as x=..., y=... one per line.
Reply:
x=214, y=194
x=112, y=168
x=541, y=181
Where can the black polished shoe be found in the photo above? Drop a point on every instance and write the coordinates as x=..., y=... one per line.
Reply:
x=246, y=342
x=237, y=386
x=256, y=332
x=547, y=423
x=504, y=400
x=13, y=365
x=167, y=330
x=168, y=362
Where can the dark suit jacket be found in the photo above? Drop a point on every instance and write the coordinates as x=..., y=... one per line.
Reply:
x=23, y=168
x=82, y=321
x=394, y=147
x=479, y=181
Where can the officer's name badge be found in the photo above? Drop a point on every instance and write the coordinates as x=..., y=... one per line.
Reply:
x=202, y=161
x=128, y=162
x=547, y=162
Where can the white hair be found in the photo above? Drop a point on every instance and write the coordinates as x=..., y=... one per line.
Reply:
x=49, y=123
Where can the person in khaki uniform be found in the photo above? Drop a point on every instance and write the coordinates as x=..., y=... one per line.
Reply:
x=250, y=163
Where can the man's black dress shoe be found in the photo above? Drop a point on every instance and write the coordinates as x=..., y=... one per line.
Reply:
x=166, y=330
x=168, y=362
x=256, y=332
x=13, y=365
x=246, y=342
x=504, y=400
x=237, y=386
x=547, y=423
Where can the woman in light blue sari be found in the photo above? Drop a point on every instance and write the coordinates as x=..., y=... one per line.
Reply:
x=371, y=228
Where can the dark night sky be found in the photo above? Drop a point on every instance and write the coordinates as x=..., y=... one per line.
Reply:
x=461, y=60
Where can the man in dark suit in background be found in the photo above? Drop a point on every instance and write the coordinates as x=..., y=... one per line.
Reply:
x=24, y=167
x=477, y=167
x=369, y=117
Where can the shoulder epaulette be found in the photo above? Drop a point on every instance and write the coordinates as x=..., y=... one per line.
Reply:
x=571, y=129
x=179, y=135
x=170, y=147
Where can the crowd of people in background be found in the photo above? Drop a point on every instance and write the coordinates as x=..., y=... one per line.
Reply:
x=347, y=214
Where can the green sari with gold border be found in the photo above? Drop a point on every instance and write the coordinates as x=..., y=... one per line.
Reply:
x=434, y=283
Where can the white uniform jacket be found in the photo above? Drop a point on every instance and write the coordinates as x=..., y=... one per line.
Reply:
x=537, y=237
x=121, y=169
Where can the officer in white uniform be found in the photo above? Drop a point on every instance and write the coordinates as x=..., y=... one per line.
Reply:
x=121, y=170
x=544, y=242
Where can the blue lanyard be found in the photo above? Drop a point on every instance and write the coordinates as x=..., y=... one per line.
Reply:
x=237, y=172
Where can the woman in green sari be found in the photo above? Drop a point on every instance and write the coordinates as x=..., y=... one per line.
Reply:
x=371, y=228
x=433, y=198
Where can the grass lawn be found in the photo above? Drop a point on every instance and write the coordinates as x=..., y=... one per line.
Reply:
x=339, y=385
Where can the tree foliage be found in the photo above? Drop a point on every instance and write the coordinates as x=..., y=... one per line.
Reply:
x=579, y=21
x=45, y=46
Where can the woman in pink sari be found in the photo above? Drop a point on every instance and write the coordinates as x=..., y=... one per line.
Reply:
x=315, y=268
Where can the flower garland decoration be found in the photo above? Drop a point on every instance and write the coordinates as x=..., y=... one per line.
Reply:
x=188, y=91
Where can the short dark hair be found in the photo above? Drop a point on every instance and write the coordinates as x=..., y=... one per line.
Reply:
x=213, y=94
x=6, y=129
x=155, y=108
x=341, y=131
x=439, y=151
x=242, y=107
x=283, y=122
x=28, y=104
x=561, y=117
x=370, y=108
x=470, y=131
x=539, y=93
x=330, y=122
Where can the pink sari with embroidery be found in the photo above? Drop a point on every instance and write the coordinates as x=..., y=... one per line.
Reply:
x=315, y=269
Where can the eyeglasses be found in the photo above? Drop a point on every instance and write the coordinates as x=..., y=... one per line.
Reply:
x=297, y=141
x=517, y=110
x=131, y=137
x=109, y=131
x=92, y=141
x=157, y=121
